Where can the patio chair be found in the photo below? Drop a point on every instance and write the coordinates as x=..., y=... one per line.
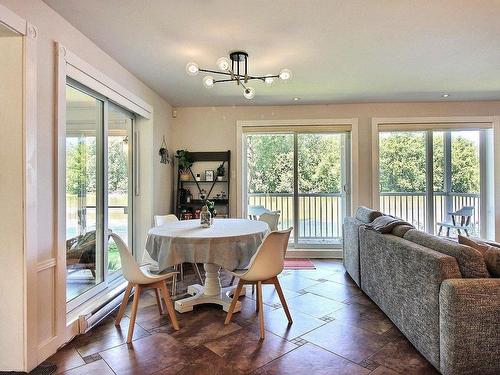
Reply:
x=465, y=215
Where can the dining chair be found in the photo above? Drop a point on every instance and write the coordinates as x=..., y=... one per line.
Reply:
x=164, y=219
x=264, y=267
x=271, y=218
x=138, y=280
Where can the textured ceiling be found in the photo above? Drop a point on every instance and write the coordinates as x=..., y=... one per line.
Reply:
x=338, y=50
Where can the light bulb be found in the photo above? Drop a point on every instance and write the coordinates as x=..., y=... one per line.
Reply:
x=249, y=93
x=208, y=81
x=192, y=69
x=223, y=63
x=269, y=80
x=285, y=74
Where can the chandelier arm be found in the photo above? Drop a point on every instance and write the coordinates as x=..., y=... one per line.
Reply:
x=214, y=72
x=225, y=80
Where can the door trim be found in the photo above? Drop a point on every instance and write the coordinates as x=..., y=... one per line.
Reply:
x=347, y=123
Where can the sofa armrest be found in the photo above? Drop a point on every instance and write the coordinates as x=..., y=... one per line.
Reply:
x=470, y=326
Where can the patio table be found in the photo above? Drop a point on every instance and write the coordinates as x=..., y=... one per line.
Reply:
x=228, y=243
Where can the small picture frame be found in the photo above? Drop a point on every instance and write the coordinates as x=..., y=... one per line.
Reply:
x=209, y=175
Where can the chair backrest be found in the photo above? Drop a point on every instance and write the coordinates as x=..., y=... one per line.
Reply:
x=464, y=211
x=271, y=218
x=130, y=268
x=163, y=219
x=269, y=259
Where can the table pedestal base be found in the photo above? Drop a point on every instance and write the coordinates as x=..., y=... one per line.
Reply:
x=211, y=292
x=199, y=297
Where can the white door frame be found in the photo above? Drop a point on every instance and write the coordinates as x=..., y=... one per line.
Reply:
x=241, y=196
x=70, y=65
x=33, y=350
x=443, y=123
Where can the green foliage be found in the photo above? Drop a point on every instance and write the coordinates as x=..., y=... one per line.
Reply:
x=402, y=163
x=117, y=166
x=185, y=159
x=113, y=257
x=81, y=167
x=270, y=163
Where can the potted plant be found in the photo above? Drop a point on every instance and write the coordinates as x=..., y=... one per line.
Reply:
x=220, y=172
x=185, y=160
x=211, y=209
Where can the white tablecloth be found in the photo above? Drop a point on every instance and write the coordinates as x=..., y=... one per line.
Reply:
x=230, y=243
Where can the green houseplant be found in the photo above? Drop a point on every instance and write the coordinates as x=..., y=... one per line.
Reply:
x=211, y=208
x=220, y=172
x=185, y=161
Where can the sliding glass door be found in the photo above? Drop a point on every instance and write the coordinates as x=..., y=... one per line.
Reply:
x=426, y=175
x=304, y=176
x=98, y=180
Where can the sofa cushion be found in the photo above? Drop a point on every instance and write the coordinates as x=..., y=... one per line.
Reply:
x=470, y=261
x=367, y=215
x=400, y=230
x=490, y=253
x=385, y=224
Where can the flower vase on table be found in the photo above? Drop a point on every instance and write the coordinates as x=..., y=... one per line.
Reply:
x=205, y=217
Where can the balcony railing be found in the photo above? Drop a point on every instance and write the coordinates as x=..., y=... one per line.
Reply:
x=412, y=207
x=320, y=215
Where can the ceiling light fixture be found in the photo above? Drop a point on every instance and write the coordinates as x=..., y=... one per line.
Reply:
x=236, y=70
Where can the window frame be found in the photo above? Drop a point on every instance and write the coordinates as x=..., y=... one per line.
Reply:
x=490, y=206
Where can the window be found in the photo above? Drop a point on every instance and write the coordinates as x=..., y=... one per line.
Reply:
x=303, y=175
x=424, y=175
x=98, y=186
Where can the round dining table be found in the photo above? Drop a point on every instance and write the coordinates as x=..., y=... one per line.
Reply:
x=227, y=243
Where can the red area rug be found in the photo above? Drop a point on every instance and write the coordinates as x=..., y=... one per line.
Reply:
x=299, y=264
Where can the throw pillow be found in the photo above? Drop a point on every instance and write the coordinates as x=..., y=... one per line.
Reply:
x=400, y=230
x=491, y=254
x=385, y=224
x=367, y=215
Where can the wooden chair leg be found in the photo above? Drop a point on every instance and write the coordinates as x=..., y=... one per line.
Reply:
x=447, y=232
x=233, y=302
x=232, y=280
x=282, y=299
x=170, y=306
x=158, y=301
x=261, y=309
x=135, y=304
x=259, y=292
x=123, y=305
x=440, y=230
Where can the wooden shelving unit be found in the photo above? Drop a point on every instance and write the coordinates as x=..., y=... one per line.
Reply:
x=212, y=188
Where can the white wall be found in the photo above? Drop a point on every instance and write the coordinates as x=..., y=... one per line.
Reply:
x=11, y=220
x=214, y=128
x=52, y=28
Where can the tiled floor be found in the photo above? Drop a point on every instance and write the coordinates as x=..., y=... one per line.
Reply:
x=336, y=330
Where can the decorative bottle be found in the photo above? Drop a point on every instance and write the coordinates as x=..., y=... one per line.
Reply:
x=205, y=217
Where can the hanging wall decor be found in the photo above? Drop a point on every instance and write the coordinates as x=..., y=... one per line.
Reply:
x=164, y=156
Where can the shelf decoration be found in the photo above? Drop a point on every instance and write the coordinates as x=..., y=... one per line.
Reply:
x=163, y=152
x=185, y=163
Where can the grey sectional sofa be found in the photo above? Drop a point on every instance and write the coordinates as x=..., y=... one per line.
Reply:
x=453, y=321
